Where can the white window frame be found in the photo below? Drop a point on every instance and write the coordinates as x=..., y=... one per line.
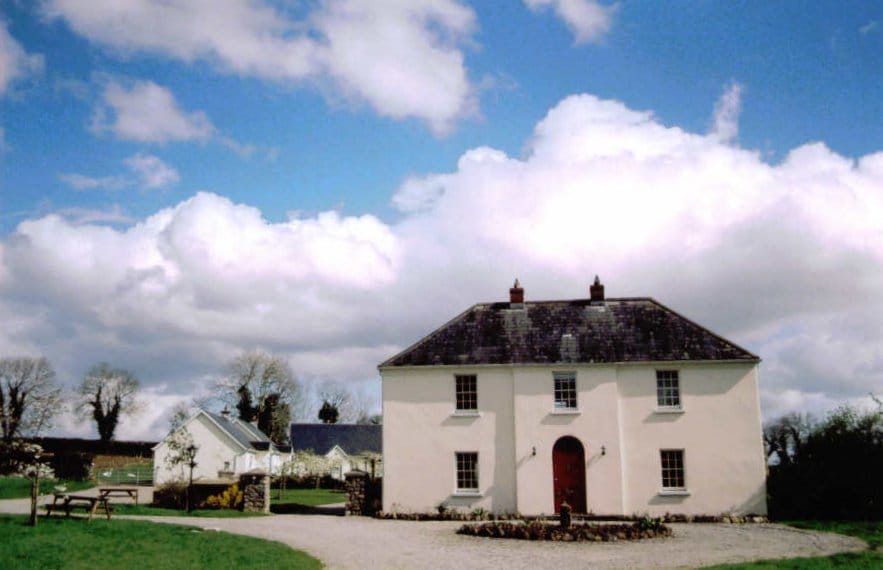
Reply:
x=468, y=491
x=458, y=411
x=668, y=383
x=682, y=467
x=564, y=406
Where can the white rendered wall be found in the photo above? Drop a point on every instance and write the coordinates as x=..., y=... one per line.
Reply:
x=215, y=447
x=719, y=431
x=421, y=436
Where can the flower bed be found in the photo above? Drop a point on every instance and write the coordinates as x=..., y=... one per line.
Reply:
x=536, y=530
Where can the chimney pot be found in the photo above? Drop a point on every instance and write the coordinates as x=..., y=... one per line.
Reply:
x=516, y=294
x=596, y=291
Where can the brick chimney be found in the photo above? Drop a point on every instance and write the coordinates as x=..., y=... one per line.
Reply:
x=596, y=292
x=516, y=296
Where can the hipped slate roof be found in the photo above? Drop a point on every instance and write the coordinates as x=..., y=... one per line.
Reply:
x=247, y=435
x=352, y=438
x=579, y=331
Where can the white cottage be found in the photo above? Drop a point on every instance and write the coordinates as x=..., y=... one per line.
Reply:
x=225, y=448
x=618, y=406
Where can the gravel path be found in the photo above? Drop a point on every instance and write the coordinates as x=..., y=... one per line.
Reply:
x=357, y=542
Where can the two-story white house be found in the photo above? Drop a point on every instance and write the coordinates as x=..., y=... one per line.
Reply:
x=618, y=406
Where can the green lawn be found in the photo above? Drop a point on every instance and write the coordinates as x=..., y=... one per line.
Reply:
x=147, y=510
x=19, y=487
x=131, y=474
x=78, y=544
x=307, y=497
x=870, y=532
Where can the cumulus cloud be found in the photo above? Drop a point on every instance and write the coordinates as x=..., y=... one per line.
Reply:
x=147, y=171
x=726, y=113
x=15, y=62
x=782, y=258
x=147, y=112
x=588, y=20
x=401, y=57
x=153, y=172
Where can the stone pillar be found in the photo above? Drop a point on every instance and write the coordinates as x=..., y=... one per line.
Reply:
x=357, y=493
x=255, y=486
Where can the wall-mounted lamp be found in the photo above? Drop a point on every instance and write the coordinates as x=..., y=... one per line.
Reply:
x=603, y=450
x=533, y=450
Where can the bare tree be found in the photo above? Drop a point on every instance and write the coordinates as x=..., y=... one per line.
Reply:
x=29, y=396
x=785, y=436
x=262, y=388
x=107, y=394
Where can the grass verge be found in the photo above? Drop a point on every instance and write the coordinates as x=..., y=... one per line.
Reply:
x=307, y=497
x=869, y=531
x=20, y=487
x=78, y=544
x=147, y=510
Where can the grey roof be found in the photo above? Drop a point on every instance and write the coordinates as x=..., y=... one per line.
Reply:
x=245, y=433
x=579, y=331
x=352, y=438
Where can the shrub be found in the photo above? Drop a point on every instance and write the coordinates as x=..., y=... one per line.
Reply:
x=231, y=498
x=73, y=465
x=171, y=496
x=536, y=530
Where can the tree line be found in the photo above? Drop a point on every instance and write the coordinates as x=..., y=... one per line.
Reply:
x=260, y=387
x=829, y=468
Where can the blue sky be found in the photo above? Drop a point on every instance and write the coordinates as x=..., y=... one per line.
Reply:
x=366, y=133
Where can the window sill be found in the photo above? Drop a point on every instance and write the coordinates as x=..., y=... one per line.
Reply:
x=467, y=493
x=566, y=411
x=671, y=410
x=674, y=493
x=465, y=413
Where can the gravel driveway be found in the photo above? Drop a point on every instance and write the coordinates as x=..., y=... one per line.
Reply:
x=357, y=542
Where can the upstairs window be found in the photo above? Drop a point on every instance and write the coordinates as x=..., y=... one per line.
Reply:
x=467, y=471
x=668, y=390
x=672, y=461
x=467, y=392
x=565, y=391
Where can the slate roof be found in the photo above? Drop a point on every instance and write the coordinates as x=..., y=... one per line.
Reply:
x=352, y=438
x=579, y=331
x=243, y=432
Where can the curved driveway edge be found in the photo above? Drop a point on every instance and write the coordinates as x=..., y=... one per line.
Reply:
x=358, y=542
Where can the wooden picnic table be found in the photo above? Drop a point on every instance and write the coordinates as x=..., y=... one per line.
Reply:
x=119, y=491
x=70, y=502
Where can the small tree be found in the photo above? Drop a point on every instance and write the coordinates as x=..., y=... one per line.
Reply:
x=328, y=413
x=107, y=394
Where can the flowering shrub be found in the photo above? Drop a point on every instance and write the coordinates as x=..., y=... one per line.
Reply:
x=231, y=498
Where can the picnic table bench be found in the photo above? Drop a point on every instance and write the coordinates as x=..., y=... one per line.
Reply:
x=119, y=491
x=89, y=503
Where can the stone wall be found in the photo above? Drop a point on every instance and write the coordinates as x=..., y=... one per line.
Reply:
x=363, y=494
x=255, y=486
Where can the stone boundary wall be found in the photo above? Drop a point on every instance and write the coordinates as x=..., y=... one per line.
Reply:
x=255, y=488
x=363, y=494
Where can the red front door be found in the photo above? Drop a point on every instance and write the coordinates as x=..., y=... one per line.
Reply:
x=569, y=474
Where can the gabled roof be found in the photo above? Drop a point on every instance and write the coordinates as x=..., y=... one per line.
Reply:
x=351, y=438
x=244, y=433
x=580, y=331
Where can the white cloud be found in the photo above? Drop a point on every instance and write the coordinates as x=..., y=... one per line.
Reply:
x=726, y=113
x=150, y=172
x=147, y=112
x=785, y=259
x=401, y=57
x=868, y=28
x=90, y=216
x=153, y=172
x=15, y=62
x=83, y=182
x=588, y=20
